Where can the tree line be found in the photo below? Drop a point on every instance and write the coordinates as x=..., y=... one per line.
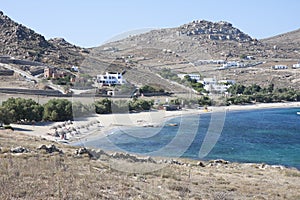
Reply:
x=240, y=94
x=16, y=110
x=187, y=81
x=20, y=110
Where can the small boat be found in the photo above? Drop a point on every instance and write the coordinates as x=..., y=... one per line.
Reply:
x=298, y=113
x=173, y=124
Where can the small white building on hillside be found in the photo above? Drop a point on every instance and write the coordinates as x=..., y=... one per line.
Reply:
x=218, y=88
x=110, y=78
x=192, y=76
x=276, y=67
x=213, y=85
x=296, y=66
x=232, y=64
x=209, y=81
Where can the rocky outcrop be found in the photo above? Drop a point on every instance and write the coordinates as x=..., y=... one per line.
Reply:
x=19, y=149
x=96, y=154
x=131, y=158
x=214, y=31
x=50, y=149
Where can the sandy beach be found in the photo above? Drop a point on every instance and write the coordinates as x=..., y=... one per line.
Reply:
x=74, y=175
x=101, y=125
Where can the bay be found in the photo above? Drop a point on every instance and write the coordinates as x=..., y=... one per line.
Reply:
x=270, y=136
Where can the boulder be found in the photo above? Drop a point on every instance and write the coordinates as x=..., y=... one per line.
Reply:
x=95, y=154
x=201, y=164
x=19, y=149
x=50, y=149
x=219, y=161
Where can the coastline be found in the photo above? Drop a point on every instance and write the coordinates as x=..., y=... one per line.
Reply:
x=262, y=106
x=101, y=125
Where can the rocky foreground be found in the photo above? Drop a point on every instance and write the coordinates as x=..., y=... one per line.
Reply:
x=33, y=168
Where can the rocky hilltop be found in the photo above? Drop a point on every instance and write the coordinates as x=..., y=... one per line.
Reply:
x=21, y=42
x=214, y=31
x=184, y=49
x=202, y=39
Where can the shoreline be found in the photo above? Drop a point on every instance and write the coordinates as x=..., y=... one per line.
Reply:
x=102, y=125
x=262, y=106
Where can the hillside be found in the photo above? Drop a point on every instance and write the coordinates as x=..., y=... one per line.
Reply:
x=289, y=37
x=287, y=43
x=21, y=42
x=198, y=40
x=184, y=49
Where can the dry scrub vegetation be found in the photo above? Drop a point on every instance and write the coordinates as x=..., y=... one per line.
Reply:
x=40, y=175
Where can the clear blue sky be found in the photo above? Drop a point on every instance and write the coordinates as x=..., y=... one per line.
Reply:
x=91, y=22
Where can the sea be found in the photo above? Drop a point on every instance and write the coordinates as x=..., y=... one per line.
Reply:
x=270, y=136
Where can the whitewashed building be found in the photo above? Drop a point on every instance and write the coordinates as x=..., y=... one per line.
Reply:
x=296, y=66
x=232, y=64
x=212, y=85
x=219, y=88
x=110, y=78
x=192, y=76
x=209, y=81
x=276, y=67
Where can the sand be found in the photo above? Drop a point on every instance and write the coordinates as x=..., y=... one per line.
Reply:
x=101, y=125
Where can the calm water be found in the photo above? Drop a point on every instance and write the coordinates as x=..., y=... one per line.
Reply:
x=271, y=136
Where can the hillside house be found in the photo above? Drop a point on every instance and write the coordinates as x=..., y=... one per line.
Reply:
x=209, y=81
x=212, y=85
x=296, y=66
x=226, y=82
x=110, y=78
x=50, y=72
x=249, y=58
x=207, y=62
x=195, y=77
x=278, y=67
x=74, y=69
x=218, y=88
x=232, y=64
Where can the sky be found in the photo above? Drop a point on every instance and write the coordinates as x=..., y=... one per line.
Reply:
x=91, y=23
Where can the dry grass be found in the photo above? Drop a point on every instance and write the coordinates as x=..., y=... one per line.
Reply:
x=38, y=175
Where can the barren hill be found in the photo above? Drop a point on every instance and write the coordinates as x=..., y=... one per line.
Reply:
x=289, y=37
x=181, y=49
x=287, y=43
x=21, y=42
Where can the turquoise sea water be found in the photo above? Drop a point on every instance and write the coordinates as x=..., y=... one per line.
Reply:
x=270, y=136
